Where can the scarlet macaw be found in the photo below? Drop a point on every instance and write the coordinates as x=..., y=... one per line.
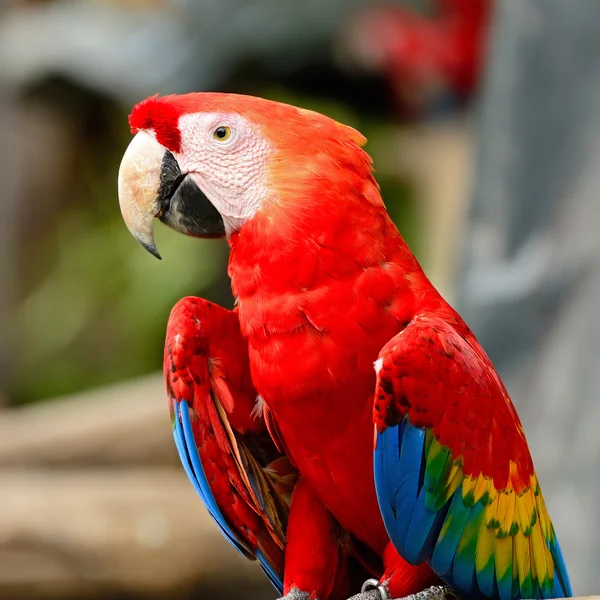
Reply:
x=338, y=342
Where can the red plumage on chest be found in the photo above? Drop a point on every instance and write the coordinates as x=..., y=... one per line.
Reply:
x=316, y=310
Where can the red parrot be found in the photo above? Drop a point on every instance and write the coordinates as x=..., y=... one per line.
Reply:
x=422, y=54
x=341, y=363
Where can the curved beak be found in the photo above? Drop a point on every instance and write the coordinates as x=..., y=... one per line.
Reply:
x=139, y=185
x=151, y=185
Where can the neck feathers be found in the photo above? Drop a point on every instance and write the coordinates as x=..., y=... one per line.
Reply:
x=319, y=238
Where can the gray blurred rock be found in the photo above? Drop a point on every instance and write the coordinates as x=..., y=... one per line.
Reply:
x=531, y=285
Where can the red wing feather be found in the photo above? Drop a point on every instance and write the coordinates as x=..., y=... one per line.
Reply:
x=244, y=480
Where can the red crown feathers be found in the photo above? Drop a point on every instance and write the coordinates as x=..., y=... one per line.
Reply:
x=162, y=116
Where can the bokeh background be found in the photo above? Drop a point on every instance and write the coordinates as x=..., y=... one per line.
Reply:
x=484, y=125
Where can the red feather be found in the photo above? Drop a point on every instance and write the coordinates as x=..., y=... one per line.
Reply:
x=161, y=117
x=206, y=365
x=436, y=372
x=324, y=281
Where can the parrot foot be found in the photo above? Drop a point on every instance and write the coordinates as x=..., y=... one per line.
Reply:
x=373, y=590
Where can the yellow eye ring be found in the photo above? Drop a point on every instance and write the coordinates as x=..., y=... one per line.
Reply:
x=222, y=133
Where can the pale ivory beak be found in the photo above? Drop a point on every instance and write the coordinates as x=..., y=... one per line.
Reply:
x=139, y=183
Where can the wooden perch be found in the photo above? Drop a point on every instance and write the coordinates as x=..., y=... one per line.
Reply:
x=124, y=423
x=85, y=533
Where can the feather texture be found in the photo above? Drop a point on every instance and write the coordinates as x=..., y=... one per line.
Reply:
x=319, y=276
x=451, y=456
x=323, y=281
x=226, y=451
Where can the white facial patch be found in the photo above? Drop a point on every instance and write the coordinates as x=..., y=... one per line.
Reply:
x=231, y=172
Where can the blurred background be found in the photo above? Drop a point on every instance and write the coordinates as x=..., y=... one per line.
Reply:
x=484, y=124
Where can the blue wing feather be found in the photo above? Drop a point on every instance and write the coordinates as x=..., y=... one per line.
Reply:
x=215, y=434
x=438, y=498
x=464, y=560
x=411, y=455
x=387, y=471
x=486, y=579
x=445, y=550
x=423, y=529
x=443, y=537
x=562, y=584
x=180, y=444
x=505, y=586
x=188, y=452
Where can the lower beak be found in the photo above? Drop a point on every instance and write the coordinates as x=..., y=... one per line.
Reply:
x=151, y=185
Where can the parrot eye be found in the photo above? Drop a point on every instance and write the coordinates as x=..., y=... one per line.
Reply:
x=222, y=133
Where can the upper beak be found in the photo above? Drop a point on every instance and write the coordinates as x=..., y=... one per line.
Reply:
x=139, y=184
x=151, y=185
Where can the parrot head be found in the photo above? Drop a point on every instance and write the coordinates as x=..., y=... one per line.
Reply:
x=206, y=163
